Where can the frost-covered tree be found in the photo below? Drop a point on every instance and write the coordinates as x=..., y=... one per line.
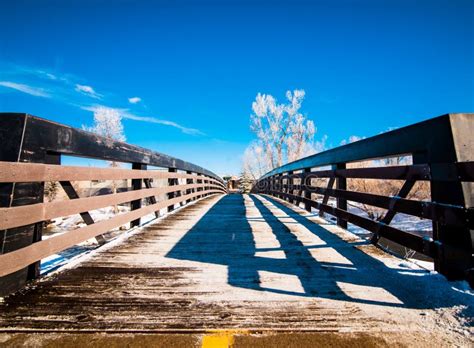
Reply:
x=283, y=133
x=254, y=161
x=108, y=123
x=245, y=182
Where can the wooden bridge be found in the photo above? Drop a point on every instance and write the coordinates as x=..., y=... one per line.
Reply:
x=268, y=268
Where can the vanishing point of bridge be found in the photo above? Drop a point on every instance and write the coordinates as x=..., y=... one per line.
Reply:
x=265, y=269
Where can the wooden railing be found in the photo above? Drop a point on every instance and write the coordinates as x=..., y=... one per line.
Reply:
x=442, y=151
x=30, y=156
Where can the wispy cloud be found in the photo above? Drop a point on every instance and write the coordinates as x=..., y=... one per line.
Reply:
x=134, y=100
x=125, y=113
x=88, y=90
x=45, y=74
x=70, y=89
x=185, y=130
x=35, y=91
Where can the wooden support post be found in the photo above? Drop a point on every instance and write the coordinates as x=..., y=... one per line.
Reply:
x=326, y=196
x=455, y=260
x=86, y=217
x=306, y=191
x=16, y=146
x=152, y=199
x=171, y=182
x=289, y=190
x=280, y=185
x=189, y=182
x=137, y=185
x=390, y=214
x=275, y=185
x=341, y=184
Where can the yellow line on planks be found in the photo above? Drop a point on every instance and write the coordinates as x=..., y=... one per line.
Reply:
x=220, y=338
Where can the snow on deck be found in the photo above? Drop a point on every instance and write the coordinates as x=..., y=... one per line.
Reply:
x=244, y=262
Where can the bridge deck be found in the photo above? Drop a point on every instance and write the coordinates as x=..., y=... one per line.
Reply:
x=243, y=262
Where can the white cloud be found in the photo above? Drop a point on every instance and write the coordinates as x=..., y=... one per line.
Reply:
x=88, y=90
x=45, y=74
x=35, y=91
x=134, y=100
x=125, y=113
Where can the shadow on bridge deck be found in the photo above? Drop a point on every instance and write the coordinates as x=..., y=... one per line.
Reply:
x=225, y=236
x=244, y=262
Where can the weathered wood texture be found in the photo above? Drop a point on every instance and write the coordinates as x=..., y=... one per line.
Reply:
x=443, y=153
x=30, y=155
x=31, y=172
x=239, y=262
x=43, y=136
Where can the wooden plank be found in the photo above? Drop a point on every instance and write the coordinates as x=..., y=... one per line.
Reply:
x=11, y=172
x=438, y=212
x=460, y=171
x=18, y=259
x=22, y=215
x=417, y=172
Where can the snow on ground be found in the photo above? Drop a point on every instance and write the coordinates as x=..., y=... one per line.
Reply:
x=69, y=223
x=62, y=225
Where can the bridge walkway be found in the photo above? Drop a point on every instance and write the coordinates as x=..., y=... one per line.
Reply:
x=253, y=265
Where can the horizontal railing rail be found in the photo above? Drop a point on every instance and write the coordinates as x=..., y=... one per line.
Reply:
x=30, y=156
x=442, y=152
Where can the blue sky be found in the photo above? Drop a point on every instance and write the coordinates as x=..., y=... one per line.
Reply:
x=196, y=66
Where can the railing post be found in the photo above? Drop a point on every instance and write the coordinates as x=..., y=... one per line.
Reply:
x=18, y=145
x=454, y=259
x=189, y=182
x=275, y=185
x=306, y=192
x=137, y=185
x=280, y=185
x=289, y=183
x=171, y=182
x=199, y=189
x=341, y=184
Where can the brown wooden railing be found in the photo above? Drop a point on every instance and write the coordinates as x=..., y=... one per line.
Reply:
x=30, y=155
x=442, y=151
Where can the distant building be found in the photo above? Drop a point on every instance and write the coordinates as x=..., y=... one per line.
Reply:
x=232, y=183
